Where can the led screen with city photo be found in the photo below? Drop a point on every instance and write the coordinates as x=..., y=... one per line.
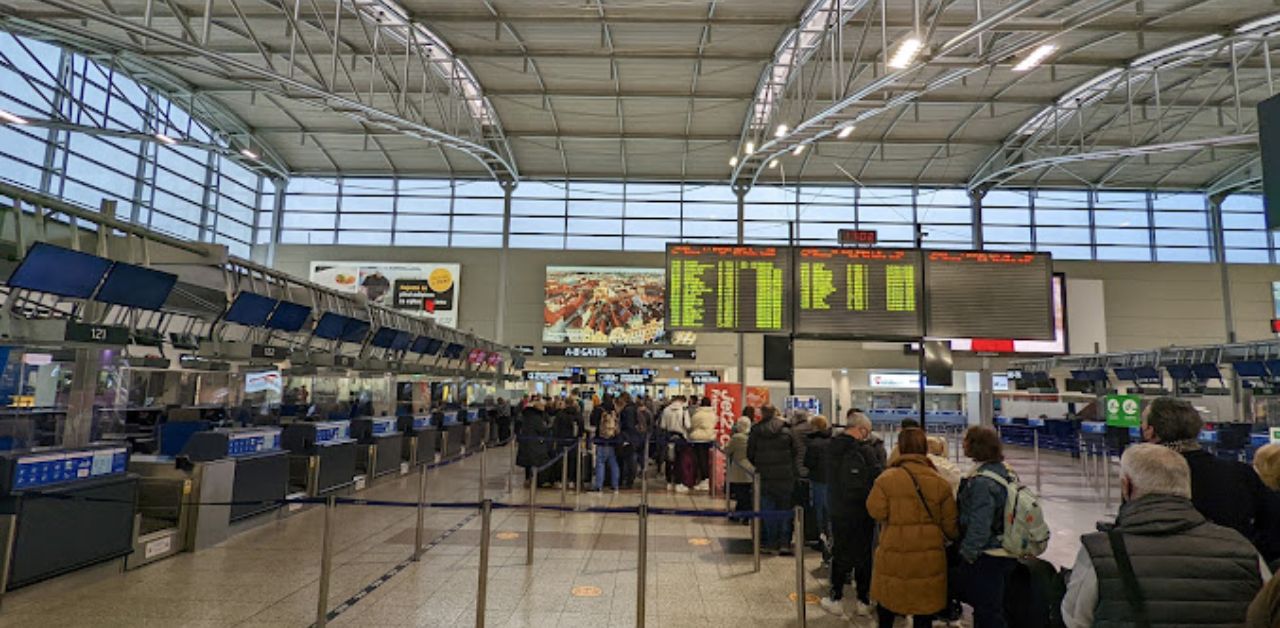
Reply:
x=602, y=305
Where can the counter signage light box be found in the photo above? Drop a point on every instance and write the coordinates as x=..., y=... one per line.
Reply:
x=425, y=288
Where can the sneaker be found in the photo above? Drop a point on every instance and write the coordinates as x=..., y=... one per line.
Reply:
x=680, y=488
x=835, y=607
x=786, y=550
x=703, y=486
x=863, y=609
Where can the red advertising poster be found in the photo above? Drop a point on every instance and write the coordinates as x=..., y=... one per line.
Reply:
x=725, y=401
x=757, y=397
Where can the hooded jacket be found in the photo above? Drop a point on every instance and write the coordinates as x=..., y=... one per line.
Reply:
x=982, y=501
x=702, y=425
x=771, y=449
x=815, y=455
x=918, y=516
x=736, y=452
x=533, y=451
x=852, y=468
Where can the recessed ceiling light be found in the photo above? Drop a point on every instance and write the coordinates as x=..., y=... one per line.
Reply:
x=773, y=164
x=166, y=139
x=733, y=161
x=1036, y=57
x=780, y=131
x=248, y=152
x=845, y=131
x=906, y=53
x=799, y=150
x=750, y=147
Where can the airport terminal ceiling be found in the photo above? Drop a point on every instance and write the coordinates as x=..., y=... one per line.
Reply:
x=1154, y=95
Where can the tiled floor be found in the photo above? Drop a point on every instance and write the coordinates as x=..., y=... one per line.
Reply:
x=268, y=576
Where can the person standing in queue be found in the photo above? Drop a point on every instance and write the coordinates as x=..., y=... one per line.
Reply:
x=740, y=469
x=632, y=445
x=608, y=436
x=1226, y=492
x=815, y=460
x=702, y=433
x=534, y=450
x=1162, y=561
x=985, y=566
x=771, y=450
x=918, y=517
x=855, y=459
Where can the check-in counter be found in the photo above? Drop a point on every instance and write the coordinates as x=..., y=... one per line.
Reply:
x=381, y=444
x=453, y=435
x=64, y=509
x=477, y=429
x=220, y=477
x=419, y=439
x=322, y=456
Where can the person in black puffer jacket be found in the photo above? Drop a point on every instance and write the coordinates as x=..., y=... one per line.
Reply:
x=771, y=451
x=632, y=440
x=815, y=459
x=534, y=450
x=854, y=460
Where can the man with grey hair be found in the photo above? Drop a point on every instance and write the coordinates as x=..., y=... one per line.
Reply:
x=1162, y=563
x=1227, y=492
x=855, y=458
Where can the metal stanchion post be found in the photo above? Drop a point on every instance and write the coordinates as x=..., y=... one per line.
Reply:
x=644, y=473
x=482, y=587
x=1088, y=463
x=642, y=563
x=1035, y=446
x=484, y=473
x=564, y=478
x=727, y=507
x=533, y=498
x=1106, y=474
x=326, y=551
x=799, y=549
x=577, y=482
x=511, y=468
x=422, y=505
x=755, y=521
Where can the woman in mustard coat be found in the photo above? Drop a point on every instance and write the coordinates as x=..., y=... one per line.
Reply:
x=917, y=514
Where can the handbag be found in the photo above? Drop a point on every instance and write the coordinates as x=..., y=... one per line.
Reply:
x=1128, y=579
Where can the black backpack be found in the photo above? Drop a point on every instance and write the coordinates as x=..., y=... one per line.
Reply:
x=1033, y=594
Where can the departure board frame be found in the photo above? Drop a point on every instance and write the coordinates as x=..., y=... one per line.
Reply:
x=846, y=293
x=760, y=305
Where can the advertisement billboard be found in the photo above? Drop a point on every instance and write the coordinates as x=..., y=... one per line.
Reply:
x=425, y=288
x=606, y=305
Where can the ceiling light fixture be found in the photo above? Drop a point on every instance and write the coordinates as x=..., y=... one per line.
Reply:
x=906, y=53
x=248, y=152
x=166, y=139
x=733, y=161
x=12, y=119
x=773, y=164
x=780, y=131
x=845, y=131
x=1036, y=57
x=751, y=147
x=799, y=150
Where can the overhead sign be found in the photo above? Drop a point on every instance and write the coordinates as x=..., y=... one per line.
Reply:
x=653, y=353
x=861, y=237
x=808, y=403
x=1124, y=410
x=703, y=377
x=425, y=288
x=881, y=379
x=96, y=334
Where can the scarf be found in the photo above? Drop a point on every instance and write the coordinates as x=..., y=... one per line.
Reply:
x=1183, y=446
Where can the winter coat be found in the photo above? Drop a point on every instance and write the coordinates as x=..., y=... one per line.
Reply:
x=533, y=451
x=772, y=451
x=1231, y=494
x=852, y=468
x=736, y=452
x=910, y=575
x=702, y=425
x=566, y=425
x=882, y=455
x=800, y=432
x=815, y=455
x=982, y=501
x=1264, y=612
x=1190, y=572
x=675, y=418
x=628, y=425
x=948, y=470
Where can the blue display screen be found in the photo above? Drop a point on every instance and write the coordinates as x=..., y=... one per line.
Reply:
x=454, y=351
x=433, y=347
x=1249, y=368
x=401, y=341
x=289, y=316
x=55, y=270
x=420, y=344
x=355, y=330
x=135, y=286
x=383, y=338
x=250, y=310
x=330, y=326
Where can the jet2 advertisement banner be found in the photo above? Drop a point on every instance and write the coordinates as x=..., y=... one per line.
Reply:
x=728, y=406
x=429, y=289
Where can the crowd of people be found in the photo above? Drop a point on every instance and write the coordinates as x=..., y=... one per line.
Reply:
x=1193, y=544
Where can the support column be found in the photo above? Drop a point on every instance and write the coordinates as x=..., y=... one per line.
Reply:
x=500, y=324
x=975, y=214
x=1228, y=313
x=986, y=395
x=277, y=217
x=740, y=192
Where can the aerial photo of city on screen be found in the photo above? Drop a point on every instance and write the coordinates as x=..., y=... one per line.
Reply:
x=600, y=305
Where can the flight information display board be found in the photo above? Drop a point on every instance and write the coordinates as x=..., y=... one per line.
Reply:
x=727, y=288
x=859, y=292
x=974, y=294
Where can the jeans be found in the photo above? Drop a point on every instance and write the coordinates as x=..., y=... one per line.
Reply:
x=984, y=583
x=887, y=618
x=821, y=515
x=852, y=537
x=776, y=533
x=606, y=454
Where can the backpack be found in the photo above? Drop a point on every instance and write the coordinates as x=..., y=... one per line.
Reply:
x=609, y=425
x=1025, y=532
